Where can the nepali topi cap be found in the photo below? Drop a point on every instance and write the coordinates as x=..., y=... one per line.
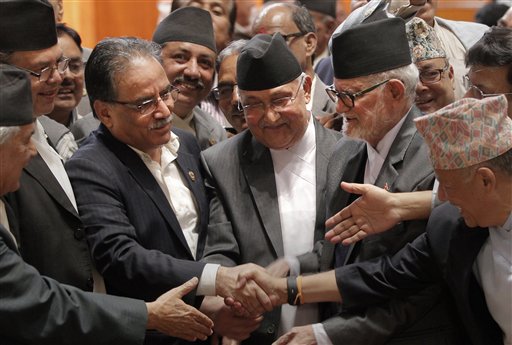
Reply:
x=327, y=7
x=26, y=25
x=266, y=62
x=423, y=41
x=370, y=48
x=15, y=97
x=467, y=132
x=187, y=24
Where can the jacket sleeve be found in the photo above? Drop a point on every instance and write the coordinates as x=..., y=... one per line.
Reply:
x=36, y=309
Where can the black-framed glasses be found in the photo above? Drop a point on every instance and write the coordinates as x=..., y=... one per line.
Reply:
x=476, y=92
x=347, y=98
x=224, y=91
x=148, y=106
x=44, y=74
x=277, y=105
x=288, y=37
x=432, y=76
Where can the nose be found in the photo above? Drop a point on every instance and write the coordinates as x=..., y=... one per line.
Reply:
x=341, y=107
x=234, y=96
x=55, y=77
x=420, y=87
x=271, y=115
x=192, y=70
x=441, y=193
x=164, y=108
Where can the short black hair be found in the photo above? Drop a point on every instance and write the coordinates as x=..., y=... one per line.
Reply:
x=62, y=29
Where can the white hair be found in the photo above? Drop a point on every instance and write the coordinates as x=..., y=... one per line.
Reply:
x=7, y=132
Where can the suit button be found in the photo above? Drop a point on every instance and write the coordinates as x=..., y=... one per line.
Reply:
x=90, y=283
x=271, y=329
x=79, y=234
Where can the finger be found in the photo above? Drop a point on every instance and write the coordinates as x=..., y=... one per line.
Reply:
x=185, y=288
x=357, y=237
x=354, y=188
x=284, y=339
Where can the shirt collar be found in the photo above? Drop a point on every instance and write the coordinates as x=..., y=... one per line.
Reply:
x=384, y=145
x=171, y=146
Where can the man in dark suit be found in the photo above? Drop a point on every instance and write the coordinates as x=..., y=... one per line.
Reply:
x=62, y=314
x=381, y=147
x=138, y=185
x=467, y=241
x=269, y=181
x=49, y=225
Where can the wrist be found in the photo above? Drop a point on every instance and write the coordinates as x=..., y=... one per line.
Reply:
x=151, y=322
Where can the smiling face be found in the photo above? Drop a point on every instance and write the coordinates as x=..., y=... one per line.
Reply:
x=369, y=119
x=279, y=129
x=190, y=67
x=71, y=89
x=434, y=96
x=142, y=80
x=43, y=93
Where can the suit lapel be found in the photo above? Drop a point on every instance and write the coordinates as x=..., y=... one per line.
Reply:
x=38, y=169
x=388, y=173
x=258, y=169
x=323, y=150
x=141, y=174
x=8, y=239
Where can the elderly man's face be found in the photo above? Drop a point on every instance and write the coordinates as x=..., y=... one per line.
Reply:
x=432, y=96
x=190, y=67
x=71, y=89
x=489, y=80
x=228, y=93
x=462, y=188
x=219, y=10
x=368, y=119
x=143, y=80
x=43, y=93
x=282, y=128
x=277, y=18
x=15, y=154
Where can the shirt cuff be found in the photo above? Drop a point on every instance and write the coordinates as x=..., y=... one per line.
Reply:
x=206, y=286
x=435, y=200
x=294, y=265
x=320, y=334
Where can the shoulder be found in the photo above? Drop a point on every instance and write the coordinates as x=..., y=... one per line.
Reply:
x=227, y=149
x=467, y=32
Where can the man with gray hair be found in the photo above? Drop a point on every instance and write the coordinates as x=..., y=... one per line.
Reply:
x=381, y=147
x=138, y=185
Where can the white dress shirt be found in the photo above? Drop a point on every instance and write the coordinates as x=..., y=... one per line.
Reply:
x=295, y=175
x=182, y=202
x=493, y=269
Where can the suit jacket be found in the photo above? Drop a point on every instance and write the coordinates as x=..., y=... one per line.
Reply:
x=51, y=234
x=83, y=127
x=38, y=310
x=244, y=214
x=446, y=252
x=208, y=130
x=322, y=104
x=406, y=168
x=134, y=235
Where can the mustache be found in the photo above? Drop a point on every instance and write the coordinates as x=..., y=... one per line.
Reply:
x=161, y=123
x=197, y=83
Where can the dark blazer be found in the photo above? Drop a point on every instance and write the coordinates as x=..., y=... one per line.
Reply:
x=50, y=234
x=406, y=168
x=446, y=252
x=38, y=310
x=244, y=214
x=136, y=241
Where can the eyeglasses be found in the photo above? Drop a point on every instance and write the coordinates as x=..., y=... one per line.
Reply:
x=47, y=72
x=76, y=66
x=347, y=98
x=431, y=76
x=477, y=93
x=150, y=105
x=224, y=91
x=287, y=38
x=277, y=105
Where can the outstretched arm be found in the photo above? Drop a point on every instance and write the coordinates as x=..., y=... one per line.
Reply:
x=375, y=211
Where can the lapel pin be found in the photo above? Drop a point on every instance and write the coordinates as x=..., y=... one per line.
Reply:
x=212, y=141
x=192, y=176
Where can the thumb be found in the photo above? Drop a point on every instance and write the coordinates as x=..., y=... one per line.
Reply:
x=187, y=287
x=354, y=188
